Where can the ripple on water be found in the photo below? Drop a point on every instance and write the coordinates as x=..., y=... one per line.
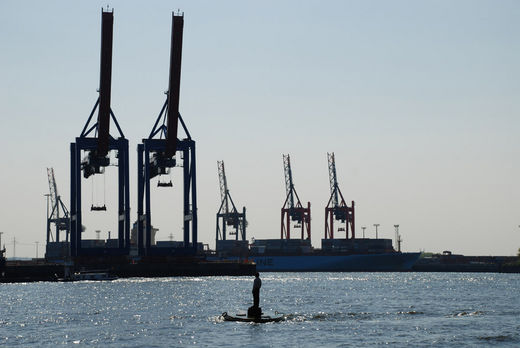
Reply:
x=465, y=314
x=499, y=338
x=355, y=309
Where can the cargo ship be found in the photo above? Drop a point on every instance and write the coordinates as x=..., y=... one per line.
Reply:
x=335, y=255
x=349, y=254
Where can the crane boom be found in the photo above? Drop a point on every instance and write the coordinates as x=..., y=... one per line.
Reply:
x=53, y=190
x=174, y=84
x=105, y=82
x=288, y=180
x=164, y=156
x=97, y=158
x=223, y=186
x=333, y=179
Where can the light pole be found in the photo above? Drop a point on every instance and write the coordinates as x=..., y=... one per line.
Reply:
x=397, y=238
x=376, y=225
x=48, y=195
x=36, y=248
x=363, y=228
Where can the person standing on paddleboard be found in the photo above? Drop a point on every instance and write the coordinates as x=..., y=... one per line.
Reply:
x=257, y=284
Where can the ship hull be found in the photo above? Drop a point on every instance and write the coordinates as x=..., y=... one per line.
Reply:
x=384, y=262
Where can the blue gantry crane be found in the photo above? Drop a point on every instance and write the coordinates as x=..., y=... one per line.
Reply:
x=294, y=211
x=157, y=156
x=336, y=209
x=95, y=143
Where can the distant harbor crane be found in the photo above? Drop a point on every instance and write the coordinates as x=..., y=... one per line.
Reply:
x=226, y=216
x=57, y=212
x=338, y=210
x=292, y=211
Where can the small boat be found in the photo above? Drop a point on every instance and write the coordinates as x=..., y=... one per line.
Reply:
x=264, y=318
x=88, y=275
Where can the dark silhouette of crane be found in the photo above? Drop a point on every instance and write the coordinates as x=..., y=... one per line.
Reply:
x=225, y=215
x=57, y=213
x=96, y=142
x=157, y=155
x=292, y=211
x=337, y=209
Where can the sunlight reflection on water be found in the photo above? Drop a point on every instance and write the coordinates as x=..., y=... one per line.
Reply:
x=328, y=309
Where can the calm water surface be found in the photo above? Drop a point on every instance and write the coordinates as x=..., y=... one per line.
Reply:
x=323, y=309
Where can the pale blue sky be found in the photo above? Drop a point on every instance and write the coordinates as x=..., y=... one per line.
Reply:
x=418, y=100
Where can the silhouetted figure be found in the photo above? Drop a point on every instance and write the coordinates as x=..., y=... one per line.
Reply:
x=257, y=284
x=255, y=310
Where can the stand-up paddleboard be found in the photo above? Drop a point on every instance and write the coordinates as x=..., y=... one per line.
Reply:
x=263, y=318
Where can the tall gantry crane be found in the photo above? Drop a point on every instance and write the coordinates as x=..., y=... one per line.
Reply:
x=57, y=212
x=292, y=211
x=96, y=142
x=226, y=217
x=336, y=209
x=157, y=155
